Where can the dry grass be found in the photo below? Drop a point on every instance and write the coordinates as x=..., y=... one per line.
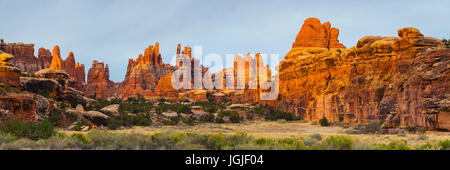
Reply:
x=283, y=129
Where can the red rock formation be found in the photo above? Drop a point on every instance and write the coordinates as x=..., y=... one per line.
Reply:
x=98, y=84
x=165, y=88
x=315, y=34
x=76, y=72
x=44, y=57
x=382, y=78
x=69, y=65
x=9, y=74
x=19, y=106
x=143, y=73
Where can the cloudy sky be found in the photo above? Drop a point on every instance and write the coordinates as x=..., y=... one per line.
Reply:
x=113, y=31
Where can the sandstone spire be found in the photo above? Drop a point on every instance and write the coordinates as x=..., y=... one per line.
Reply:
x=57, y=62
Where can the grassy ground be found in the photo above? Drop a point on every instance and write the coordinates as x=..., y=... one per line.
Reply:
x=278, y=130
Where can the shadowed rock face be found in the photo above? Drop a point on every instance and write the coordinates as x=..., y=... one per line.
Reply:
x=315, y=34
x=381, y=78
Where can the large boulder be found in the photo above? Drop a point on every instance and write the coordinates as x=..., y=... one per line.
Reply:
x=43, y=86
x=95, y=117
x=111, y=110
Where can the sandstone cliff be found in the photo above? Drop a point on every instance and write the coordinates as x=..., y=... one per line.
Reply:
x=24, y=57
x=382, y=78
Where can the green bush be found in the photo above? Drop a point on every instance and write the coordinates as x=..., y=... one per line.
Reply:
x=324, y=122
x=26, y=129
x=444, y=144
x=171, y=121
x=80, y=137
x=219, y=119
x=189, y=121
x=233, y=115
x=78, y=126
x=337, y=143
x=113, y=123
x=207, y=118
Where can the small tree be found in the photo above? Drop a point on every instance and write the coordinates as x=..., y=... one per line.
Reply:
x=324, y=122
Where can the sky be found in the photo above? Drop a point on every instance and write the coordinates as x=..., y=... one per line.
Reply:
x=112, y=31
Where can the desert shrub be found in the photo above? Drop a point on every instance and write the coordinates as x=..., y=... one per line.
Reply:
x=61, y=118
x=373, y=127
x=238, y=139
x=444, y=144
x=113, y=123
x=422, y=137
x=273, y=115
x=336, y=143
x=141, y=120
x=211, y=108
x=6, y=137
x=7, y=89
x=394, y=145
x=80, y=137
x=291, y=144
x=171, y=121
x=219, y=119
x=310, y=141
x=249, y=116
x=80, y=124
x=216, y=142
x=17, y=128
x=164, y=140
x=116, y=141
x=233, y=115
x=26, y=129
x=43, y=130
x=189, y=121
x=324, y=122
x=207, y=118
x=61, y=142
x=23, y=143
x=316, y=136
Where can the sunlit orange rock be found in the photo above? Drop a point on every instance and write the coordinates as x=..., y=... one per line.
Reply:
x=391, y=79
x=315, y=34
x=165, y=89
x=144, y=73
x=98, y=84
x=57, y=63
x=9, y=74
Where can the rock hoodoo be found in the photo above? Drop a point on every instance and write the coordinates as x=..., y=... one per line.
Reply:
x=315, y=34
x=144, y=73
x=98, y=84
